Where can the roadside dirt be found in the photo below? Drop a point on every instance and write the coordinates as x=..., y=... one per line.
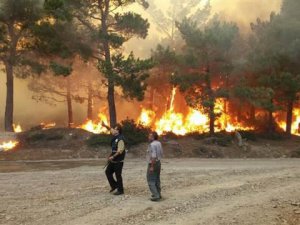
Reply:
x=195, y=191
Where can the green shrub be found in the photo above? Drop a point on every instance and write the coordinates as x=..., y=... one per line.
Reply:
x=33, y=137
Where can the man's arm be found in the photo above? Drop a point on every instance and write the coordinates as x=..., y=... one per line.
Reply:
x=106, y=126
x=121, y=148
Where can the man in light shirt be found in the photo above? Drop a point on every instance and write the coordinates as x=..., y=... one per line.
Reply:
x=154, y=155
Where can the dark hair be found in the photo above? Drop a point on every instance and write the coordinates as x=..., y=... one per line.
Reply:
x=119, y=128
x=155, y=135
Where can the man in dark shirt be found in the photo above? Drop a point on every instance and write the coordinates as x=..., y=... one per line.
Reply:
x=116, y=161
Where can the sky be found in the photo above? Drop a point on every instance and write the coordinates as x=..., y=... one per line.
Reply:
x=240, y=11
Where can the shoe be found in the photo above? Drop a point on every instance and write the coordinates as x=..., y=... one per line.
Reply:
x=119, y=193
x=153, y=196
x=154, y=199
x=112, y=190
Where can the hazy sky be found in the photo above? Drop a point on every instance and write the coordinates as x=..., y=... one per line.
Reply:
x=240, y=11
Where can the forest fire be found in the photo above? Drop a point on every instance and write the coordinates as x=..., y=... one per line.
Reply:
x=6, y=146
x=193, y=121
x=96, y=127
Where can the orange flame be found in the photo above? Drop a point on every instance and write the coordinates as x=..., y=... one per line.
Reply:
x=17, y=129
x=6, y=146
x=194, y=121
x=146, y=118
x=295, y=124
x=171, y=121
x=96, y=127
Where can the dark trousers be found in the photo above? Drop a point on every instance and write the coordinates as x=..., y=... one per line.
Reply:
x=115, y=168
x=153, y=179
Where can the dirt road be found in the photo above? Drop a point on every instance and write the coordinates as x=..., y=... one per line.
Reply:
x=194, y=192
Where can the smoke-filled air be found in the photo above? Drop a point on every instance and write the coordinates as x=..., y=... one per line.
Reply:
x=182, y=66
x=143, y=112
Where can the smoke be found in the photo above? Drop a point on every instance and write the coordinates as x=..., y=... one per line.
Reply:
x=243, y=12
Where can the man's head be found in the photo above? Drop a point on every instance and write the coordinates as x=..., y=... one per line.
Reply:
x=153, y=136
x=116, y=130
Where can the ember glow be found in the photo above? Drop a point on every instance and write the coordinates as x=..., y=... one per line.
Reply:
x=96, y=127
x=6, y=146
x=47, y=125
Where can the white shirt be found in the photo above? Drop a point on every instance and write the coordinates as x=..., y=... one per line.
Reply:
x=154, y=151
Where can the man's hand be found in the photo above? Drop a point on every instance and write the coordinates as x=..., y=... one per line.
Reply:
x=110, y=158
x=104, y=125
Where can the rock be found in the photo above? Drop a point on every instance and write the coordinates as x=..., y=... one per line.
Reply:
x=297, y=211
x=295, y=203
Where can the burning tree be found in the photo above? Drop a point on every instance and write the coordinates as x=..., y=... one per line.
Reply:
x=111, y=30
x=275, y=58
x=159, y=81
x=206, y=64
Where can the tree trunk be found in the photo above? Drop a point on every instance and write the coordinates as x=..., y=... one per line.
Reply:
x=9, y=108
x=9, y=67
x=212, y=120
x=212, y=100
x=90, y=104
x=225, y=112
x=104, y=9
x=69, y=103
x=111, y=103
x=289, y=117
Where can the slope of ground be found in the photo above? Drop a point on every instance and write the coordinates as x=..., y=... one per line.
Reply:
x=62, y=143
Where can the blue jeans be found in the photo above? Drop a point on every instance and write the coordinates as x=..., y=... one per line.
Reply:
x=153, y=179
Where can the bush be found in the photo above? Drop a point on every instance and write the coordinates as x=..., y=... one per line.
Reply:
x=249, y=135
x=54, y=137
x=99, y=140
x=134, y=133
x=33, y=137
